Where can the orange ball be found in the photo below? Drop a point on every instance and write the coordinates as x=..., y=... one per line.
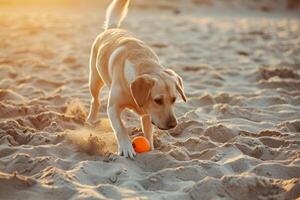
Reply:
x=140, y=144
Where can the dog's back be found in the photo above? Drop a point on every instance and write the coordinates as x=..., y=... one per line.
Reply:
x=133, y=49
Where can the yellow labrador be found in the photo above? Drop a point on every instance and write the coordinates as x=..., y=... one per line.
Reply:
x=135, y=77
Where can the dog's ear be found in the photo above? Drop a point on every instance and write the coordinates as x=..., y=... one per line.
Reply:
x=179, y=83
x=141, y=88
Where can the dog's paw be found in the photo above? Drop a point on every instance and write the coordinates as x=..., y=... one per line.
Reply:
x=126, y=149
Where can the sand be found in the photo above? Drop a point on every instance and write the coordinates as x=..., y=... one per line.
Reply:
x=238, y=135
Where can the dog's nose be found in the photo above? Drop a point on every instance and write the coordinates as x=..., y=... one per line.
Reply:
x=172, y=123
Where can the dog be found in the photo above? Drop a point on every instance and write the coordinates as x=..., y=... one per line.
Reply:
x=135, y=78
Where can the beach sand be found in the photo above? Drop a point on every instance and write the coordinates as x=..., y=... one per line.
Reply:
x=238, y=135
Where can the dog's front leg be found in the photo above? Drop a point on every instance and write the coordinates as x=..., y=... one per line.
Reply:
x=148, y=129
x=124, y=145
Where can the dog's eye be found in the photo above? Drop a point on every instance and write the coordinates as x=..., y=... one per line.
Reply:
x=159, y=101
x=173, y=99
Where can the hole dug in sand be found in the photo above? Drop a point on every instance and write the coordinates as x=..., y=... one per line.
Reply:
x=99, y=140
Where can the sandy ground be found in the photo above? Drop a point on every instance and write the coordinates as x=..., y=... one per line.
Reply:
x=238, y=135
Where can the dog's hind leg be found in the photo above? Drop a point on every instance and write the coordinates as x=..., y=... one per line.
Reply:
x=95, y=84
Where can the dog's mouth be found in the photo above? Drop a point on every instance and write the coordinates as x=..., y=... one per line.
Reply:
x=160, y=128
x=163, y=129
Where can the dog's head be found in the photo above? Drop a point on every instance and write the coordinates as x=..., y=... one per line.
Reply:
x=156, y=94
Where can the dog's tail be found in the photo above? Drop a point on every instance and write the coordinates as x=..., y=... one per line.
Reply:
x=115, y=13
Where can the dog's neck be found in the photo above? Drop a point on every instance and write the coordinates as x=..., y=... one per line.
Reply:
x=149, y=67
x=130, y=73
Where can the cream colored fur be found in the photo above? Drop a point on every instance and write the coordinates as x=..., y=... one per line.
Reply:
x=136, y=80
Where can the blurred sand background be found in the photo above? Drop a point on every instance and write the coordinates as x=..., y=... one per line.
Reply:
x=238, y=135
